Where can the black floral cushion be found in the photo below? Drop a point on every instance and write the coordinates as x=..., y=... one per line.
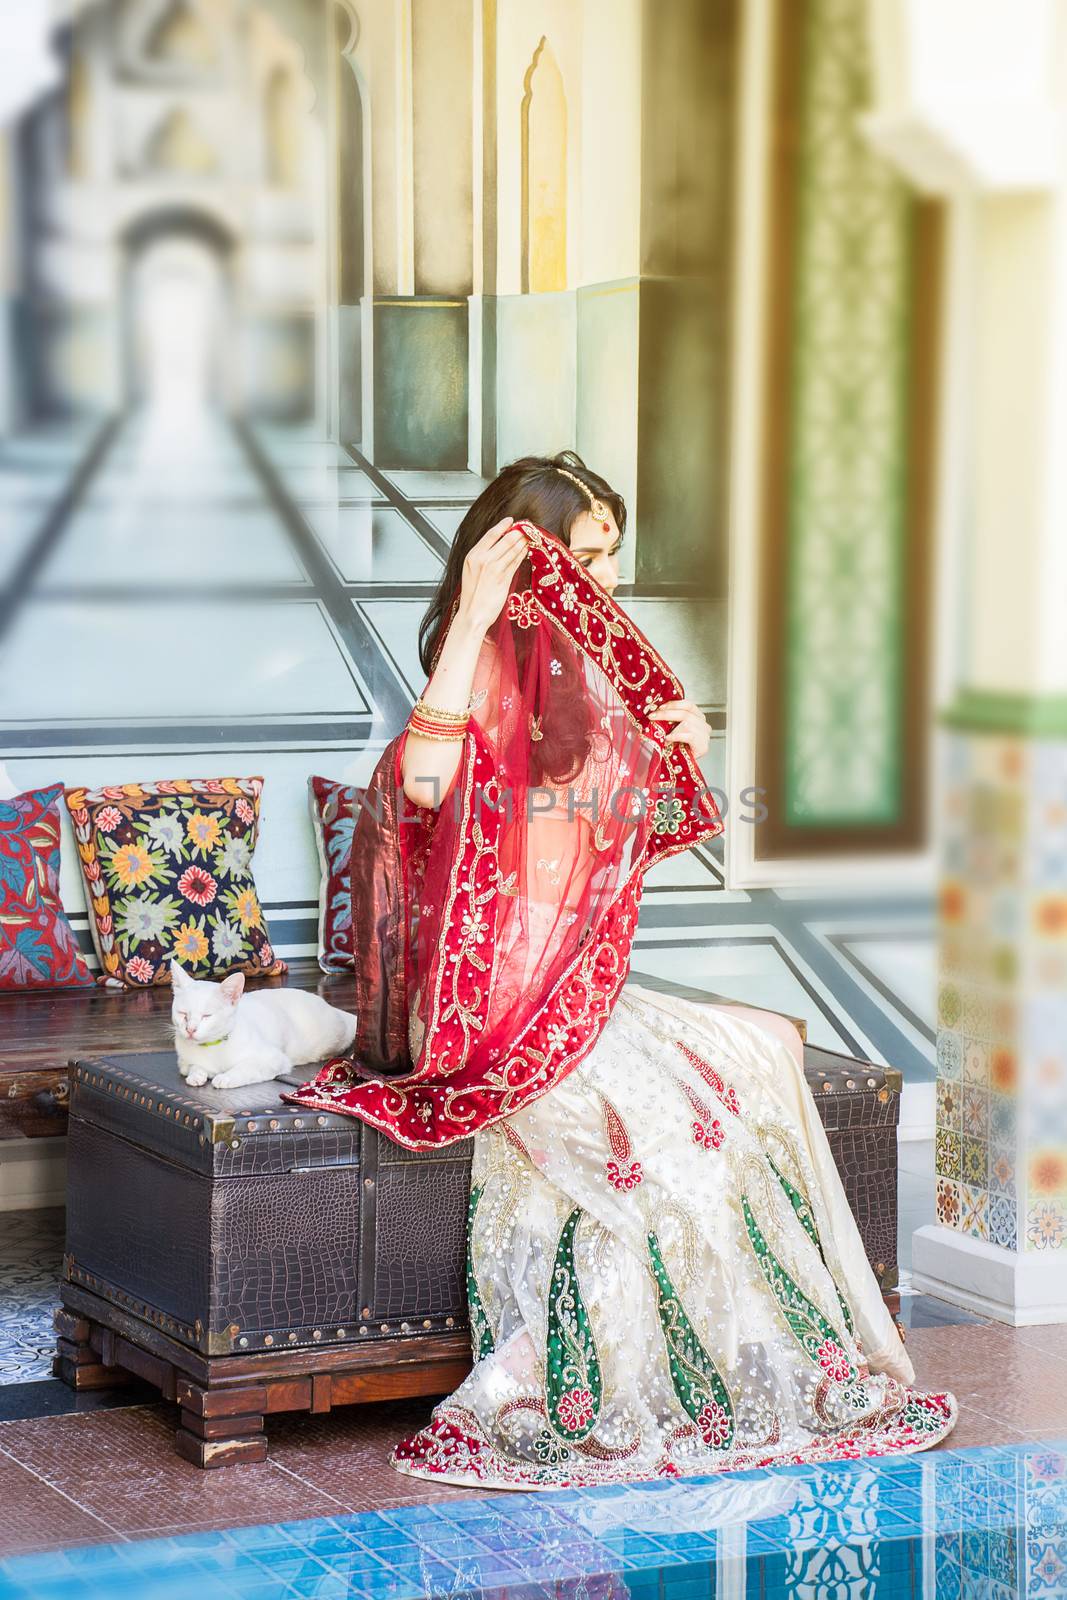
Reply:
x=168, y=874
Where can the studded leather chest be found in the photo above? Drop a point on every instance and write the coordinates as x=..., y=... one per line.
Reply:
x=859, y=1106
x=235, y=1223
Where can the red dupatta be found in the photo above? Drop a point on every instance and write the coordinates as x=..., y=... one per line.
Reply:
x=492, y=934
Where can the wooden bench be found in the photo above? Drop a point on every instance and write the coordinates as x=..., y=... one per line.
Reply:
x=41, y=1031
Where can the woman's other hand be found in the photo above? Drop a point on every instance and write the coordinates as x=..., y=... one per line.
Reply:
x=488, y=570
x=690, y=725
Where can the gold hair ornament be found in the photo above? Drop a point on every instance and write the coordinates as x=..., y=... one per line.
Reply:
x=596, y=506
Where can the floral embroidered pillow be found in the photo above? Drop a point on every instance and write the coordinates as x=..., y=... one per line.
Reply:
x=168, y=873
x=333, y=813
x=38, y=949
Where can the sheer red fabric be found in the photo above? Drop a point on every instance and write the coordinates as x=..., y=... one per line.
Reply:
x=493, y=933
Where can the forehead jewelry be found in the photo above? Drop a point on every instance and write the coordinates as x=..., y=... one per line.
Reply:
x=597, y=507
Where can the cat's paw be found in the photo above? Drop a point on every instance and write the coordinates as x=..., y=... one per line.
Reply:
x=195, y=1079
x=236, y=1078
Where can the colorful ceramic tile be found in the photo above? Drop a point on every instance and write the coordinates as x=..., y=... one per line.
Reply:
x=1047, y=1171
x=975, y=1110
x=974, y=1218
x=1003, y=1122
x=949, y=1105
x=1002, y=1225
x=976, y=1019
x=948, y=1154
x=949, y=1005
x=949, y=1054
x=1001, y=1172
x=974, y=1164
x=1046, y=1226
x=975, y=1061
x=948, y=1203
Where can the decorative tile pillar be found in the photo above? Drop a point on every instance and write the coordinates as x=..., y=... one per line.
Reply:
x=1000, y=1242
x=975, y=120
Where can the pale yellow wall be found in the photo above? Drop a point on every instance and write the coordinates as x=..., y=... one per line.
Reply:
x=1018, y=580
x=441, y=67
x=609, y=219
x=520, y=28
x=543, y=121
x=378, y=55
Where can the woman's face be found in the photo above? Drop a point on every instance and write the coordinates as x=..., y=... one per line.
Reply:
x=597, y=548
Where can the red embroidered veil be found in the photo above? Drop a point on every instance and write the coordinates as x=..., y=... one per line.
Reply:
x=492, y=933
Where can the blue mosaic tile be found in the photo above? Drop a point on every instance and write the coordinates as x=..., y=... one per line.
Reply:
x=850, y=1529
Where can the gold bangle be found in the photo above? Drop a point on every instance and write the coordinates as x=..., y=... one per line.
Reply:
x=440, y=714
x=421, y=733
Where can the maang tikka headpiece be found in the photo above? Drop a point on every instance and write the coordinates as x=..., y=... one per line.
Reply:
x=597, y=507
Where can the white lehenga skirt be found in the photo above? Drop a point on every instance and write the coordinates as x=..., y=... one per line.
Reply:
x=665, y=1276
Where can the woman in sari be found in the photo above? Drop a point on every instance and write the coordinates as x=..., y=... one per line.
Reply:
x=664, y=1275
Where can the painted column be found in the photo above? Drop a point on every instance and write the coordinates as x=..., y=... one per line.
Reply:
x=969, y=105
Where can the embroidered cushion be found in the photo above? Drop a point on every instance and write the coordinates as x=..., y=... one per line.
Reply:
x=333, y=813
x=38, y=949
x=168, y=873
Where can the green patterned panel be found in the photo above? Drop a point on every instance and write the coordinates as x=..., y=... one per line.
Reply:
x=481, y=1328
x=574, y=1387
x=813, y=1333
x=697, y=1381
x=847, y=449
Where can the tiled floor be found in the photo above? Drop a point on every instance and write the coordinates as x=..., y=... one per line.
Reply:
x=102, y=1475
x=984, y=1523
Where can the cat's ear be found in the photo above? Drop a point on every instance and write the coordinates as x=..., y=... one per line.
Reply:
x=233, y=987
x=178, y=975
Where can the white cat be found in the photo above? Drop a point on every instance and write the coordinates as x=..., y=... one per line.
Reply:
x=228, y=1038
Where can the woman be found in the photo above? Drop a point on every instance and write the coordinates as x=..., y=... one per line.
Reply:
x=664, y=1275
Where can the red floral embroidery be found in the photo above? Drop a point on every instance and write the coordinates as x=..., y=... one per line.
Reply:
x=198, y=886
x=455, y=1446
x=726, y=1092
x=713, y=1420
x=515, y=1140
x=108, y=819
x=708, y=1131
x=522, y=609
x=833, y=1361
x=625, y=1178
x=575, y=1409
x=624, y=1173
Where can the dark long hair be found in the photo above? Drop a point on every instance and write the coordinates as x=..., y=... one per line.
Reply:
x=530, y=489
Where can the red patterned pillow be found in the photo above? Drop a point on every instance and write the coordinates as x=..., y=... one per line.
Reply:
x=333, y=812
x=168, y=873
x=38, y=949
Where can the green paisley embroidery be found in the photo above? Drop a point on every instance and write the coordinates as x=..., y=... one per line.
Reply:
x=697, y=1383
x=573, y=1384
x=481, y=1330
x=806, y=1218
x=813, y=1333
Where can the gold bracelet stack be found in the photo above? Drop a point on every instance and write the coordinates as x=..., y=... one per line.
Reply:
x=431, y=722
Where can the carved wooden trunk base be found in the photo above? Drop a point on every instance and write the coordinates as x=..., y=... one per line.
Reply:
x=224, y=1399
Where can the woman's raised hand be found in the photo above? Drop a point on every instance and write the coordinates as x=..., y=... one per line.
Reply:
x=488, y=570
x=691, y=726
